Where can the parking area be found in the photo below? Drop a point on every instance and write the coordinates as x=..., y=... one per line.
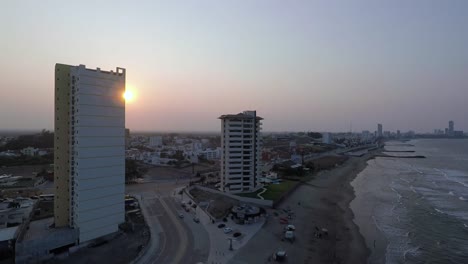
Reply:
x=226, y=237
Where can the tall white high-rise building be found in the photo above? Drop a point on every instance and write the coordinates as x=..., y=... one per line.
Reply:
x=241, y=145
x=155, y=141
x=89, y=150
x=326, y=138
x=379, y=130
x=451, y=128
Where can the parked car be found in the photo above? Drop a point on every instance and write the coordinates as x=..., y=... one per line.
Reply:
x=181, y=215
x=196, y=220
x=227, y=230
x=221, y=225
x=289, y=228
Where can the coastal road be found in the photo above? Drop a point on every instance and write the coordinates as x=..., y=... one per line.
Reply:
x=173, y=240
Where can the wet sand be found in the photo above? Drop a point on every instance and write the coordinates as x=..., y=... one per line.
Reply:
x=322, y=202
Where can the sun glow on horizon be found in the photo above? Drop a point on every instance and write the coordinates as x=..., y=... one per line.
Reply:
x=128, y=95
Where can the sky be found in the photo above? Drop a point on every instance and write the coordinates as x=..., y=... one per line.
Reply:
x=303, y=65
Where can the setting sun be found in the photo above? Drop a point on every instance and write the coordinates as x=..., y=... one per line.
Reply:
x=128, y=96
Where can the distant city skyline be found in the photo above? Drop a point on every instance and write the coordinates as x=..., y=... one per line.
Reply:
x=303, y=65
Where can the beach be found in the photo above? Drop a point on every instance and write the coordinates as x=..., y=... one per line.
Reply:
x=321, y=203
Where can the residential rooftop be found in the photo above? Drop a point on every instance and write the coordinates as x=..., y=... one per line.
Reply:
x=240, y=115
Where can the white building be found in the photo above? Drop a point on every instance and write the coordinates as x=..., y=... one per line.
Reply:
x=211, y=154
x=241, y=145
x=30, y=151
x=326, y=138
x=379, y=130
x=197, y=146
x=89, y=150
x=296, y=158
x=155, y=141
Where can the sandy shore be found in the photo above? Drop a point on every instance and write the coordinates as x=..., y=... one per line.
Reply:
x=323, y=202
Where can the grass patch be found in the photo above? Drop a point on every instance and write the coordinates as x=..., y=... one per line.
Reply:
x=249, y=195
x=274, y=191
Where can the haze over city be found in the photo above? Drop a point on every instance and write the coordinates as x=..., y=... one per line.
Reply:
x=303, y=65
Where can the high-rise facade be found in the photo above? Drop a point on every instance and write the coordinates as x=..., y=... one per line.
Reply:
x=241, y=145
x=451, y=128
x=89, y=151
x=155, y=141
x=379, y=130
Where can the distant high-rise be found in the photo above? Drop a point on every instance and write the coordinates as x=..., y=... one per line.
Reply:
x=241, y=145
x=451, y=128
x=89, y=152
x=155, y=141
x=326, y=138
x=379, y=130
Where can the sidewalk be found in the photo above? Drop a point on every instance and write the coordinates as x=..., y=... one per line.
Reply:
x=220, y=242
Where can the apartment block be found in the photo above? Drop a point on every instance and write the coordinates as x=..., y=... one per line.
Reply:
x=241, y=145
x=89, y=150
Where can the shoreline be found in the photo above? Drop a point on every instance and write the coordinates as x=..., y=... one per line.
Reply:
x=324, y=201
x=349, y=243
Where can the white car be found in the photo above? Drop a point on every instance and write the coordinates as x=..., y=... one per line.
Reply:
x=227, y=230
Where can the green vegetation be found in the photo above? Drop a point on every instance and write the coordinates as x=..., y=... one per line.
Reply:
x=274, y=191
x=326, y=162
x=26, y=160
x=133, y=170
x=45, y=139
x=315, y=135
x=286, y=171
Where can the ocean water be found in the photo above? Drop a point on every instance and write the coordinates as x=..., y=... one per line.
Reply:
x=415, y=210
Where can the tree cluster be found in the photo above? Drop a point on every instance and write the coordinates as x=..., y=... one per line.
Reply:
x=45, y=139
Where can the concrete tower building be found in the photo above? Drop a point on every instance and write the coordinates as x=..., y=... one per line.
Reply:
x=241, y=145
x=379, y=130
x=451, y=128
x=89, y=150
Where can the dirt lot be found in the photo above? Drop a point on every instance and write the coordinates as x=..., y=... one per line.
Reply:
x=220, y=205
x=170, y=173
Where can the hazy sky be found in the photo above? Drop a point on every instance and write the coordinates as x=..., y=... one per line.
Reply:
x=303, y=65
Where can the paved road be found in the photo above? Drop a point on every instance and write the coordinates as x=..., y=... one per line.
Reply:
x=173, y=240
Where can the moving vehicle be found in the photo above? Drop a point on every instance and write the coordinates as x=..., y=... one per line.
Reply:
x=280, y=255
x=289, y=235
x=227, y=230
